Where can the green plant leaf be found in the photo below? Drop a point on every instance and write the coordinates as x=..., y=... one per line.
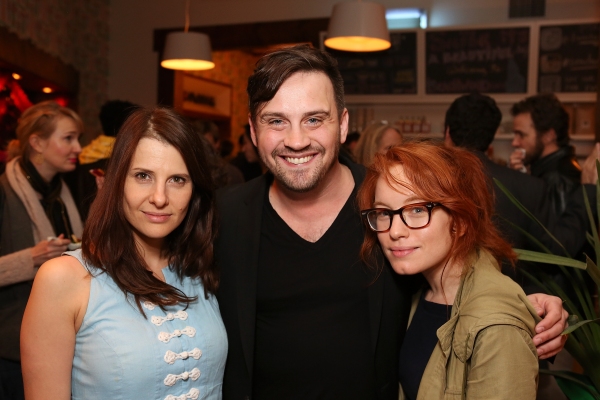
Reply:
x=529, y=236
x=593, y=270
x=583, y=302
x=576, y=391
x=571, y=328
x=584, y=341
x=528, y=255
x=574, y=386
x=549, y=286
x=588, y=209
x=590, y=239
x=525, y=211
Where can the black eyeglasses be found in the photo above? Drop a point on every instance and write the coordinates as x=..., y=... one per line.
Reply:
x=414, y=216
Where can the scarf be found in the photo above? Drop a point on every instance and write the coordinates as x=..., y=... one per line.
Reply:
x=51, y=202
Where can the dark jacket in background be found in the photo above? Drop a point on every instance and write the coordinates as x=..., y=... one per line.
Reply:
x=568, y=227
x=15, y=235
x=562, y=175
x=249, y=170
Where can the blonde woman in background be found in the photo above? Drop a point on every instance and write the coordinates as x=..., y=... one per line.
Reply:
x=38, y=218
x=376, y=138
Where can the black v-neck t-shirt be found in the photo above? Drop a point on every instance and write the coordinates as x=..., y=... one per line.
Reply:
x=312, y=324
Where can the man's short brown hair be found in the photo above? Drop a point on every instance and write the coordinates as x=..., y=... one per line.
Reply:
x=275, y=68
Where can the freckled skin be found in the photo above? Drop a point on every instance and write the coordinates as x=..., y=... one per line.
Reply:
x=413, y=251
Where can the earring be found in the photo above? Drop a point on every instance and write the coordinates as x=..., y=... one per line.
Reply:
x=38, y=158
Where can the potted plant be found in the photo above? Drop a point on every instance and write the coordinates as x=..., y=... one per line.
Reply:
x=580, y=300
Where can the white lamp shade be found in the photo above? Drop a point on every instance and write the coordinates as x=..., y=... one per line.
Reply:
x=189, y=51
x=358, y=26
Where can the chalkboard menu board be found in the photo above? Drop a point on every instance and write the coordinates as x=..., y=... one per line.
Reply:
x=569, y=58
x=483, y=60
x=393, y=71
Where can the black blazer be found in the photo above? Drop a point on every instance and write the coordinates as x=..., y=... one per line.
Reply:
x=236, y=251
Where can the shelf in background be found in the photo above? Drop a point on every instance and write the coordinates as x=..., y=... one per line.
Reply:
x=391, y=99
x=573, y=137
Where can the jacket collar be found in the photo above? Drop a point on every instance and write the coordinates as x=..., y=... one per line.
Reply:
x=551, y=161
x=446, y=332
x=460, y=338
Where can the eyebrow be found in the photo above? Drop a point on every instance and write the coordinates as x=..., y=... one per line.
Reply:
x=149, y=171
x=409, y=201
x=283, y=115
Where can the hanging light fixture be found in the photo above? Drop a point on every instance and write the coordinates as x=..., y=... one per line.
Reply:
x=358, y=26
x=188, y=51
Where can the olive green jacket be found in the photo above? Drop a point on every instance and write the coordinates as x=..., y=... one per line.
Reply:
x=485, y=350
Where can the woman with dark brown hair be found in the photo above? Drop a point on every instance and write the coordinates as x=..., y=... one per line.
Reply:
x=133, y=314
x=428, y=209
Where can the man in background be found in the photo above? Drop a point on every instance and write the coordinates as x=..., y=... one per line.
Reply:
x=247, y=159
x=541, y=142
x=227, y=173
x=94, y=157
x=471, y=122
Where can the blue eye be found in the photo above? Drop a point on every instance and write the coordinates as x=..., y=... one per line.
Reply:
x=384, y=213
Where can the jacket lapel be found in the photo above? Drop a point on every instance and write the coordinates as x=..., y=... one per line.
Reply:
x=250, y=222
x=375, y=295
x=376, y=289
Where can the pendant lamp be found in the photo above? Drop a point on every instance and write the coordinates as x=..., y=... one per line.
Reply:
x=358, y=26
x=188, y=51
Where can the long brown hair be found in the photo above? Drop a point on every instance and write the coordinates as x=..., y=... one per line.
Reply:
x=108, y=241
x=452, y=177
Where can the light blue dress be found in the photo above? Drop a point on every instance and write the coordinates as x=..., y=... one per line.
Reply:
x=177, y=354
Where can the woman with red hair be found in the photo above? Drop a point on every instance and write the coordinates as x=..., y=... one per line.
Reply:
x=429, y=211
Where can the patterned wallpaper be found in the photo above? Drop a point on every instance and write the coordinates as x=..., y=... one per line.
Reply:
x=77, y=33
x=233, y=67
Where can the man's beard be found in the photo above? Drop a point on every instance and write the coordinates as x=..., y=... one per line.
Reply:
x=536, y=154
x=302, y=181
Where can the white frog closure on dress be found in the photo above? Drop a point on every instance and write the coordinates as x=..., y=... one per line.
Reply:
x=173, y=354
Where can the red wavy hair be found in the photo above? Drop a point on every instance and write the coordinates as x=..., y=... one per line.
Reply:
x=452, y=177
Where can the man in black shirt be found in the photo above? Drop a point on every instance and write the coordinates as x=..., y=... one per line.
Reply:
x=305, y=318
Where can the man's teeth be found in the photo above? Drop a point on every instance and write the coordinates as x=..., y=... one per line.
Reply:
x=298, y=160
